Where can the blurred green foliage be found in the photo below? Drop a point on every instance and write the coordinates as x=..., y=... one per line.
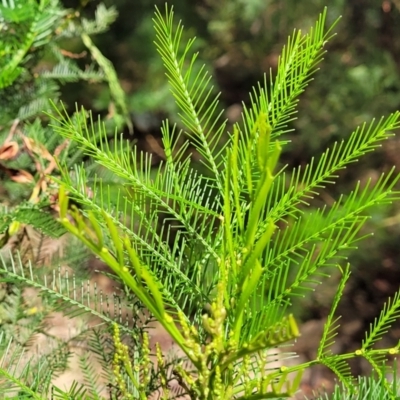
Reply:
x=240, y=40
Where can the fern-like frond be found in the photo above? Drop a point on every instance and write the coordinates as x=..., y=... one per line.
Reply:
x=90, y=376
x=276, y=289
x=34, y=215
x=73, y=299
x=190, y=88
x=40, y=19
x=186, y=204
x=344, y=214
x=278, y=98
x=389, y=314
x=135, y=168
x=48, y=15
x=103, y=18
x=331, y=325
x=286, y=193
x=68, y=72
x=22, y=377
x=166, y=253
x=101, y=346
x=293, y=242
x=368, y=388
x=296, y=65
x=341, y=368
x=76, y=391
x=37, y=99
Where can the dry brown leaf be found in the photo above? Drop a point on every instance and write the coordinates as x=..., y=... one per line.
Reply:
x=8, y=150
x=21, y=176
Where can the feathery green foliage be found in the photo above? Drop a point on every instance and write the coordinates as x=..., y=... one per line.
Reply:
x=369, y=388
x=218, y=259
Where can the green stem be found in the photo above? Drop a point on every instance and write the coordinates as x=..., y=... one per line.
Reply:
x=248, y=287
x=259, y=201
